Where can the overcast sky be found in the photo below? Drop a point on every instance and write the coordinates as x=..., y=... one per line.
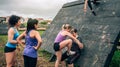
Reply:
x=46, y=9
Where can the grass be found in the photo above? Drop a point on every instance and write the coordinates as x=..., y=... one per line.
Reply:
x=45, y=55
x=3, y=39
x=43, y=59
x=115, y=59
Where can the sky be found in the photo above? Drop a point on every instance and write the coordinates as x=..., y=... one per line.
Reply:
x=46, y=9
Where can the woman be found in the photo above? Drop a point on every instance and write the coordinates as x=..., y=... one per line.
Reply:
x=10, y=47
x=61, y=42
x=33, y=42
x=72, y=58
x=90, y=5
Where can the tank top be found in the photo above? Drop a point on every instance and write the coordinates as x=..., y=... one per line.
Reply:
x=16, y=34
x=59, y=38
x=29, y=49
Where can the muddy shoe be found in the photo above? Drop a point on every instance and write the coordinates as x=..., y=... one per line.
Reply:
x=71, y=53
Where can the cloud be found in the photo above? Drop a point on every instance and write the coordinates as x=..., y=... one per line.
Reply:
x=34, y=8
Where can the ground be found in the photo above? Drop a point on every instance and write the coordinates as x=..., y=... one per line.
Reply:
x=43, y=59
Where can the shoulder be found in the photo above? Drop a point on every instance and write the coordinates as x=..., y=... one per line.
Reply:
x=11, y=30
x=65, y=32
x=34, y=32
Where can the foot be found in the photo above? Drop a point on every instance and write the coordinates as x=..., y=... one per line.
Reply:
x=93, y=12
x=71, y=53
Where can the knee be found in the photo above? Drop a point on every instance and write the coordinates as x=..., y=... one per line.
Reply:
x=9, y=65
x=58, y=60
x=70, y=40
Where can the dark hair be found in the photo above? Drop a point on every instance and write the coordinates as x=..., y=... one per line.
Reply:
x=74, y=30
x=30, y=24
x=13, y=20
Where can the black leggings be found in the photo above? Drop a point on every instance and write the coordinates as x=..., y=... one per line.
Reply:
x=29, y=61
x=89, y=4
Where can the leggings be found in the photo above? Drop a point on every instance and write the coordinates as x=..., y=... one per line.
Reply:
x=89, y=4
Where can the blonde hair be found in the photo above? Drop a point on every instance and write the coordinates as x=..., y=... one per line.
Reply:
x=66, y=26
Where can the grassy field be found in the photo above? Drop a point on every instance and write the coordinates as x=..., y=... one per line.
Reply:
x=43, y=56
x=43, y=59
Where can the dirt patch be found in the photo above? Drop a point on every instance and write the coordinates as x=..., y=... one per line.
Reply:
x=43, y=61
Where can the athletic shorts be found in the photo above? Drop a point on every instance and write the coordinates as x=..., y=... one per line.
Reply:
x=56, y=46
x=8, y=49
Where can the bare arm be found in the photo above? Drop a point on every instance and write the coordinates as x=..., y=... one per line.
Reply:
x=75, y=39
x=11, y=35
x=19, y=39
x=38, y=37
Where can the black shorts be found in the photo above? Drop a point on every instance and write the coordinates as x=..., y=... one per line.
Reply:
x=56, y=46
x=8, y=49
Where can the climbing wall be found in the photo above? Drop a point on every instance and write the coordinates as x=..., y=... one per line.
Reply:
x=99, y=33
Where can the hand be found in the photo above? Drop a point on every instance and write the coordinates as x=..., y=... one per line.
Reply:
x=23, y=41
x=22, y=45
x=35, y=47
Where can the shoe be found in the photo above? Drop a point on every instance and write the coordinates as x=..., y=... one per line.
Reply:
x=93, y=12
x=71, y=53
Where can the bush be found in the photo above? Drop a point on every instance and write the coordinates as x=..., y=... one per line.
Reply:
x=43, y=23
x=116, y=59
x=23, y=25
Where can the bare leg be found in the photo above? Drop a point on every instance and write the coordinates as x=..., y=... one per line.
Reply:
x=65, y=43
x=9, y=58
x=70, y=65
x=14, y=59
x=63, y=64
x=58, y=55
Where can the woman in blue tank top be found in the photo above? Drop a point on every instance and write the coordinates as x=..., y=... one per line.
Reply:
x=10, y=47
x=33, y=42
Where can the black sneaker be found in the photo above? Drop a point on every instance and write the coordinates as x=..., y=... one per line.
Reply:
x=93, y=12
